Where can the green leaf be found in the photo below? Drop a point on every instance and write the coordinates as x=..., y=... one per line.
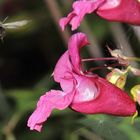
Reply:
x=111, y=127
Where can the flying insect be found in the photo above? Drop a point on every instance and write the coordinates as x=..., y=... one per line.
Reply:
x=10, y=25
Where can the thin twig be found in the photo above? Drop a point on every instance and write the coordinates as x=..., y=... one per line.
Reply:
x=56, y=15
x=10, y=126
x=121, y=40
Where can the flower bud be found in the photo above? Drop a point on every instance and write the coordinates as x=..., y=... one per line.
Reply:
x=117, y=77
x=135, y=91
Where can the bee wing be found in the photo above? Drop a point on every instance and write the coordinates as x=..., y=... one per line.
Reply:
x=16, y=24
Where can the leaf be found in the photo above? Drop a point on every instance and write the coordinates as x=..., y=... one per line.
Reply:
x=25, y=99
x=106, y=126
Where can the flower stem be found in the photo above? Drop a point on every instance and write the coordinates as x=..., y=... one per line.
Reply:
x=105, y=66
x=99, y=59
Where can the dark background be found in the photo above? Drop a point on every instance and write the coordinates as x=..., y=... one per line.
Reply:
x=27, y=59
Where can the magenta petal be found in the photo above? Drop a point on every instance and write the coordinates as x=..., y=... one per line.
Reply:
x=70, y=62
x=110, y=100
x=68, y=84
x=80, y=9
x=76, y=42
x=86, y=89
x=64, y=21
x=53, y=99
x=63, y=73
x=128, y=11
x=63, y=68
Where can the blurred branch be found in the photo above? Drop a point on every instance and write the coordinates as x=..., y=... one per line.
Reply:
x=137, y=31
x=4, y=107
x=10, y=126
x=121, y=40
x=56, y=15
x=95, y=49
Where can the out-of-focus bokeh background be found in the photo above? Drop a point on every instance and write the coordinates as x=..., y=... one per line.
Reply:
x=27, y=59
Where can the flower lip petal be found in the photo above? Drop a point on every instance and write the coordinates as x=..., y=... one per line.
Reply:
x=53, y=99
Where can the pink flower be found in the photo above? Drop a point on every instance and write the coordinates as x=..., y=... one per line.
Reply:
x=127, y=11
x=83, y=92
